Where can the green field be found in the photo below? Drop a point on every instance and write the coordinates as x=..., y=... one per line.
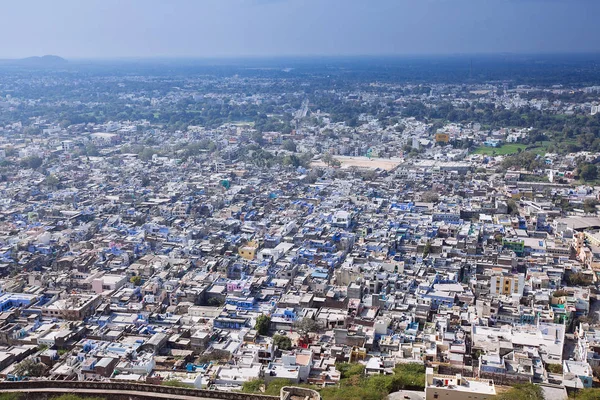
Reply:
x=540, y=148
x=508, y=148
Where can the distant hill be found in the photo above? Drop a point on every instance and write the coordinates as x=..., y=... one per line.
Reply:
x=43, y=61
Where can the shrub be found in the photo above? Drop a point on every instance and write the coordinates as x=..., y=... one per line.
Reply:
x=588, y=394
x=252, y=386
x=527, y=391
x=175, y=383
x=554, y=368
x=348, y=370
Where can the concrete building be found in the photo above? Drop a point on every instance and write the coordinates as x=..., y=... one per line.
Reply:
x=456, y=387
x=502, y=283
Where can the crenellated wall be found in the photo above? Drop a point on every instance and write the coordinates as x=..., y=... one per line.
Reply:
x=142, y=391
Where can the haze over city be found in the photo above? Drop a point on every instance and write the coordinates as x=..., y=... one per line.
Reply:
x=238, y=28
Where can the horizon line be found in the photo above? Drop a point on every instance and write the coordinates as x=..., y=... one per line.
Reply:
x=307, y=56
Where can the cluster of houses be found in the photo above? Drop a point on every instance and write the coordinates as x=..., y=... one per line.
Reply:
x=153, y=269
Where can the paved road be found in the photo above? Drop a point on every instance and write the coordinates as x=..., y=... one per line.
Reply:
x=412, y=395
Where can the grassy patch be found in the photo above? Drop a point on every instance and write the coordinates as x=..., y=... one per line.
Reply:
x=540, y=148
x=75, y=397
x=508, y=148
x=175, y=383
x=10, y=396
x=354, y=385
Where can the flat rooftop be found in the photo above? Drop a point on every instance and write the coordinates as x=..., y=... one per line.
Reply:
x=462, y=384
x=579, y=223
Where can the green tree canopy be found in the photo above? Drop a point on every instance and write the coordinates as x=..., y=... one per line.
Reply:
x=282, y=342
x=289, y=145
x=262, y=325
x=305, y=326
x=589, y=172
x=136, y=280
x=51, y=181
x=348, y=370
x=29, y=367
x=589, y=205
x=33, y=162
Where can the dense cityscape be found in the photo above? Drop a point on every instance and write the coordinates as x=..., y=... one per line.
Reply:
x=356, y=227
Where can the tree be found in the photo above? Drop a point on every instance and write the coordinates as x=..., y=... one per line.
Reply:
x=430, y=197
x=253, y=386
x=578, y=279
x=32, y=130
x=214, y=302
x=91, y=150
x=262, y=325
x=409, y=376
x=136, y=280
x=305, y=326
x=33, y=162
x=513, y=208
x=328, y=159
x=215, y=355
x=289, y=145
x=51, y=181
x=589, y=205
x=348, y=370
x=145, y=181
x=292, y=160
x=525, y=160
x=29, y=367
x=589, y=172
x=282, y=342
x=146, y=154
x=368, y=175
x=258, y=138
x=427, y=249
x=554, y=368
x=560, y=293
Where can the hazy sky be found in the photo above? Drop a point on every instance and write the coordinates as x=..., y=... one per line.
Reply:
x=209, y=28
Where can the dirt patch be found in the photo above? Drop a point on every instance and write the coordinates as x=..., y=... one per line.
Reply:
x=363, y=162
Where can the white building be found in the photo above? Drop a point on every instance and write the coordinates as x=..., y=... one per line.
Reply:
x=577, y=374
x=456, y=387
x=342, y=218
x=67, y=145
x=233, y=376
x=108, y=282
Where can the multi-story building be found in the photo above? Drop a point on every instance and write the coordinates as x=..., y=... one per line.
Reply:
x=502, y=283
